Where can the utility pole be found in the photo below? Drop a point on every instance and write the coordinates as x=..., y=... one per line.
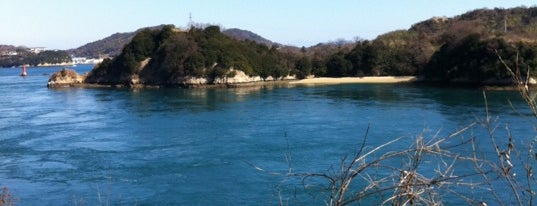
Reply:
x=190, y=23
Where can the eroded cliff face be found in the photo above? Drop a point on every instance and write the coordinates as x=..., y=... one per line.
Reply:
x=236, y=77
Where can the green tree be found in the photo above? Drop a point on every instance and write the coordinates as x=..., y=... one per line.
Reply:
x=338, y=66
x=303, y=67
x=475, y=60
x=318, y=67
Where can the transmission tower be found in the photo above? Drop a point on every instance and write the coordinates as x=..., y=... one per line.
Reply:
x=190, y=23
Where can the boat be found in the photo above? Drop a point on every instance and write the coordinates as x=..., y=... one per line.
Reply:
x=24, y=73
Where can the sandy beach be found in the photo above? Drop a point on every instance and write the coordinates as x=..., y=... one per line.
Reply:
x=354, y=80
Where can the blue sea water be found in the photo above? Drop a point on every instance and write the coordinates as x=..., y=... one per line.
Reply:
x=76, y=146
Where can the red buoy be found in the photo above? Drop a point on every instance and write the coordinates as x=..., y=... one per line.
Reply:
x=24, y=71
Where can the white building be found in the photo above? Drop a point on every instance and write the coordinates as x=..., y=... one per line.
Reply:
x=84, y=60
x=37, y=50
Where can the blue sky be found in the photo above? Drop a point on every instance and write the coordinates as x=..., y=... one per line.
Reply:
x=64, y=24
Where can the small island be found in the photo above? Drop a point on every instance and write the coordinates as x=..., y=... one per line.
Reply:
x=465, y=50
x=172, y=57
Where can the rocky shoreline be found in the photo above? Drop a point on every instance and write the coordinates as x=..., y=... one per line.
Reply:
x=65, y=78
x=70, y=78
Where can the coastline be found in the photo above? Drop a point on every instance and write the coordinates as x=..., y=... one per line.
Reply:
x=154, y=86
x=358, y=80
x=70, y=78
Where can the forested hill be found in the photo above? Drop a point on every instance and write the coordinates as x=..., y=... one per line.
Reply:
x=111, y=46
x=170, y=56
x=464, y=48
x=513, y=25
x=458, y=49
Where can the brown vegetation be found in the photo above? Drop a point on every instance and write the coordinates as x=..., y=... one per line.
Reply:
x=431, y=172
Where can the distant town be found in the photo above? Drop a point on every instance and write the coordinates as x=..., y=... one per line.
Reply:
x=16, y=51
x=11, y=56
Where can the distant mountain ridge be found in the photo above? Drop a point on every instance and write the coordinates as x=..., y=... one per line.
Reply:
x=112, y=45
x=242, y=35
x=107, y=47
